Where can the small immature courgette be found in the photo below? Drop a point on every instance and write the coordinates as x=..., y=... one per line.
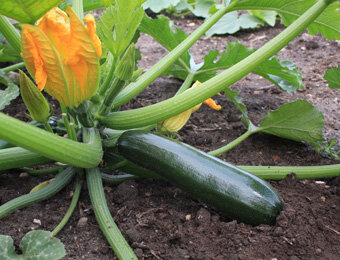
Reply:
x=231, y=190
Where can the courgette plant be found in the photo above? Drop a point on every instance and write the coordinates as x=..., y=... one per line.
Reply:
x=92, y=77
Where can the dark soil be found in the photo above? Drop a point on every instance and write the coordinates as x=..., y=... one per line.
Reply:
x=162, y=222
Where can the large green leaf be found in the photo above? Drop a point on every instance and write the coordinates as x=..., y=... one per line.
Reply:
x=233, y=22
x=298, y=121
x=333, y=77
x=159, y=5
x=37, y=245
x=328, y=23
x=26, y=11
x=118, y=24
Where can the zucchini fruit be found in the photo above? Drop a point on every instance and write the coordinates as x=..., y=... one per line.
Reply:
x=231, y=190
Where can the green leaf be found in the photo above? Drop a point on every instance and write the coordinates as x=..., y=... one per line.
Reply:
x=298, y=121
x=333, y=77
x=328, y=23
x=26, y=11
x=89, y=5
x=169, y=36
x=10, y=93
x=37, y=245
x=282, y=73
x=119, y=23
x=232, y=95
x=232, y=22
x=202, y=7
x=268, y=17
x=158, y=5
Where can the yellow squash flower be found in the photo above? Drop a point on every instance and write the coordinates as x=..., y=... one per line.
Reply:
x=175, y=123
x=62, y=55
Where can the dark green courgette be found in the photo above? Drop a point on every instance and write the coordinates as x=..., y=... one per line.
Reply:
x=231, y=190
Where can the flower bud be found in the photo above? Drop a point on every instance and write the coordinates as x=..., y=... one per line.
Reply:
x=34, y=100
x=175, y=123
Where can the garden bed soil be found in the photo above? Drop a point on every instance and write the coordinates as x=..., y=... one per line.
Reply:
x=162, y=222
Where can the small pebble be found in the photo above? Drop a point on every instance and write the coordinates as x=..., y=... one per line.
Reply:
x=322, y=198
x=318, y=251
x=320, y=182
x=188, y=217
x=24, y=175
x=82, y=222
x=37, y=221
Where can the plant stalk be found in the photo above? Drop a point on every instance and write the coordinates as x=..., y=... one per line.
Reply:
x=13, y=67
x=104, y=218
x=117, y=179
x=176, y=105
x=186, y=84
x=70, y=210
x=232, y=144
x=17, y=157
x=302, y=172
x=43, y=171
x=10, y=33
x=84, y=155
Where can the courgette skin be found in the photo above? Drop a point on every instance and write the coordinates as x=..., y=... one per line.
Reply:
x=231, y=190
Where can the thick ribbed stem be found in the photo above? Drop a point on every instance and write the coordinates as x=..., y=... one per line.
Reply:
x=104, y=218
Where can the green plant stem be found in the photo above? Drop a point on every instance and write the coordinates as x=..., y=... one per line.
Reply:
x=84, y=155
x=302, y=172
x=43, y=171
x=106, y=84
x=147, y=78
x=115, y=166
x=187, y=83
x=60, y=181
x=70, y=210
x=264, y=172
x=104, y=218
x=78, y=8
x=13, y=67
x=115, y=87
x=48, y=127
x=17, y=157
x=64, y=116
x=232, y=144
x=10, y=33
x=176, y=105
x=117, y=179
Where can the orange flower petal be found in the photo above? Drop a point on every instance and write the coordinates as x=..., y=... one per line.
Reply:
x=55, y=83
x=211, y=103
x=32, y=56
x=82, y=58
x=91, y=29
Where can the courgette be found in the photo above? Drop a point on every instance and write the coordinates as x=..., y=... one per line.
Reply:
x=231, y=190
